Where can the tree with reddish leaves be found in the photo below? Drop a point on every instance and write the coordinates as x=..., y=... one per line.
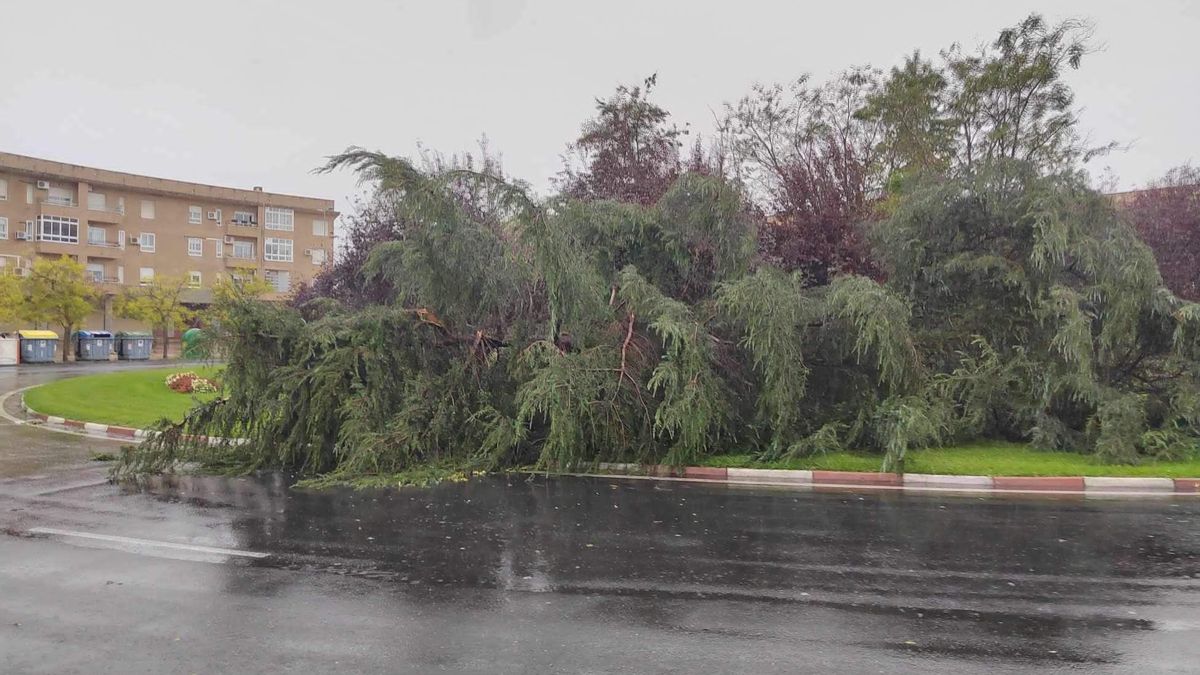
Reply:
x=808, y=159
x=1167, y=217
x=629, y=152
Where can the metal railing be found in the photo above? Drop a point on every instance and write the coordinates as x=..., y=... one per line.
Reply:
x=59, y=201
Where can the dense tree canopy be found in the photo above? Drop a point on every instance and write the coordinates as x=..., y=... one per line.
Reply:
x=951, y=277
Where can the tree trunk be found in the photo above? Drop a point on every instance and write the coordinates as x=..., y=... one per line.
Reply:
x=66, y=342
x=166, y=341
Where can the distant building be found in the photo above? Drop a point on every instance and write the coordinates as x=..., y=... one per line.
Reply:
x=127, y=229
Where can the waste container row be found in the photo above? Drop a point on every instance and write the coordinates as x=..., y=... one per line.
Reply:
x=41, y=346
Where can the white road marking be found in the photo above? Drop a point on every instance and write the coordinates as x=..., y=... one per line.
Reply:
x=149, y=542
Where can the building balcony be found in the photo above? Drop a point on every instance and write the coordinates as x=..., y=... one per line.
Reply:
x=241, y=262
x=104, y=249
x=58, y=209
x=60, y=201
x=108, y=214
x=48, y=247
x=242, y=229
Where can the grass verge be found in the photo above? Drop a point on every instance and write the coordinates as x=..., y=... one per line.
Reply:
x=134, y=399
x=977, y=459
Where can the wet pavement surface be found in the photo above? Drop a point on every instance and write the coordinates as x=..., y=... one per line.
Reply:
x=577, y=575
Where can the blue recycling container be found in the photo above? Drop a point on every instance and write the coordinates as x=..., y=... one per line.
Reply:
x=93, y=345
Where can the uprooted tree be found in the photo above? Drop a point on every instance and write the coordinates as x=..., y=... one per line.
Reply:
x=506, y=330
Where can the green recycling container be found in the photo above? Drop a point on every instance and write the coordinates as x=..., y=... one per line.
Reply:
x=193, y=347
x=134, y=345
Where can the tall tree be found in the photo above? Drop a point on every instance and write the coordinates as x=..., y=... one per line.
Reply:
x=12, y=298
x=1167, y=216
x=58, y=294
x=629, y=152
x=808, y=157
x=1005, y=100
x=159, y=303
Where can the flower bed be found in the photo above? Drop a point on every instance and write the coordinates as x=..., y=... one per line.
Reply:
x=191, y=383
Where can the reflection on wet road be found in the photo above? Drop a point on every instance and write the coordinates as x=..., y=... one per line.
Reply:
x=591, y=575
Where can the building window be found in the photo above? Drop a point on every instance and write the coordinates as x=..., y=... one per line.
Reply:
x=243, y=250
x=97, y=201
x=3, y=189
x=280, y=279
x=147, y=209
x=318, y=256
x=280, y=219
x=61, y=196
x=145, y=275
x=146, y=241
x=29, y=193
x=3, y=228
x=195, y=215
x=95, y=272
x=56, y=228
x=194, y=279
x=97, y=235
x=244, y=218
x=320, y=228
x=277, y=250
x=195, y=246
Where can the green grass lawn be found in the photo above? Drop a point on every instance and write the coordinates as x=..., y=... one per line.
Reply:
x=135, y=399
x=982, y=459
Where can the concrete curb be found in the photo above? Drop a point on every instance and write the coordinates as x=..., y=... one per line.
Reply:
x=1062, y=485
x=111, y=431
x=916, y=481
x=91, y=428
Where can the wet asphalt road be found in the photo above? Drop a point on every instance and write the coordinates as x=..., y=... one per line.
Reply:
x=550, y=575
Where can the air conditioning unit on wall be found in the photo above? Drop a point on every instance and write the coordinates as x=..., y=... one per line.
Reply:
x=133, y=241
x=43, y=185
x=228, y=239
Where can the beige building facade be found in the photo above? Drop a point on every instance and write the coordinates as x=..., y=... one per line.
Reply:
x=127, y=229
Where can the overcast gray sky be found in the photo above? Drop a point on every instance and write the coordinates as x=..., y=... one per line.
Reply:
x=251, y=92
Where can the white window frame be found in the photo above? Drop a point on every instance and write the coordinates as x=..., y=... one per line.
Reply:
x=143, y=277
x=3, y=227
x=320, y=227
x=195, y=279
x=272, y=276
x=145, y=203
x=318, y=256
x=3, y=189
x=242, y=242
x=195, y=215
x=94, y=271
x=244, y=218
x=278, y=255
x=59, y=224
x=97, y=201
x=279, y=218
x=195, y=247
x=102, y=241
x=142, y=242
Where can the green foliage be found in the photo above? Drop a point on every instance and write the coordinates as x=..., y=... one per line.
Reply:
x=158, y=303
x=57, y=293
x=629, y=318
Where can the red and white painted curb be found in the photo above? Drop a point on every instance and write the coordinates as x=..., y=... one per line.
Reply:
x=914, y=481
x=112, y=430
x=1047, y=485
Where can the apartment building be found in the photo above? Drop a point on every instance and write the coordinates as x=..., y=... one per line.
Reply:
x=127, y=229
